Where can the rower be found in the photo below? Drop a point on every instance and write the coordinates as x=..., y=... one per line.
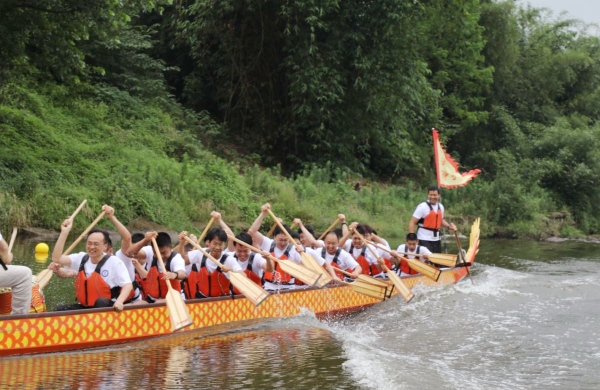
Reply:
x=338, y=257
x=280, y=247
x=357, y=247
x=154, y=278
x=17, y=277
x=411, y=246
x=205, y=278
x=102, y=279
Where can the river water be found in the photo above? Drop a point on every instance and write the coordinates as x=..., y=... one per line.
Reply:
x=529, y=321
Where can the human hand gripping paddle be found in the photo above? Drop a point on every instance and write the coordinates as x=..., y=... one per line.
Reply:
x=461, y=255
x=398, y=283
x=247, y=287
x=178, y=312
x=306, y=275
x=44, y=276
x=431, y=272
x=307, y=260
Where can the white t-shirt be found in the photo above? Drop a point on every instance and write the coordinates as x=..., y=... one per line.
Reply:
x=422, y=251
x=356, y=252
x=113, y=272
x=380, y=252
x=316, y=253
x=257, y=264
x=0, y=236
x=422, y=211
x=293, y=254
x=195, y=257
x=345, y=260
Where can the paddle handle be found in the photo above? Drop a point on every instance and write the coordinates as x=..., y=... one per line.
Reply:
x=205, y=253
x=212, y=219
x=13, y=236
x=85, y=232
x=460, y=252
x=78, y=209
x=161, y=263
x=270, y=233
x=335, y=222
x=287, y=234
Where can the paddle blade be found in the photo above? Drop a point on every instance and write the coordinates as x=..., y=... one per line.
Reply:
x=424, y=269
x=306, y=275
x=251, y=290
x=309, y=262
x=399, y=284
x=377, y=282
x=178, y=312
x=447, y=260
x=371, y=290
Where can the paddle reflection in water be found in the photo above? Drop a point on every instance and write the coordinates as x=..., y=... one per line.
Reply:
x=266, y=356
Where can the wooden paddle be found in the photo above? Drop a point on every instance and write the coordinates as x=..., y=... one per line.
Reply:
x=306, y=275
x=445, y=259
x=247, y=287
x=10, y=245
x=270, y=232
x=460, y=251
x=398, y=283
x=307, y=260
x=85, y=232
x=365, y=286
x=178, y=312
x=43, y=277
x=335, y=222
x=429, y=271
x=212, y=219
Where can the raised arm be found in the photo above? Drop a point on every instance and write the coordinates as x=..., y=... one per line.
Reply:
x=310, y=239
x=57, y=255
x=347, y=232
x=217, y=217
x=121, y=229
x=4, y=253
x=254, y=229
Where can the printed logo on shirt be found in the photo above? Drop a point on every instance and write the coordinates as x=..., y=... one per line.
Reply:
x=104, y=272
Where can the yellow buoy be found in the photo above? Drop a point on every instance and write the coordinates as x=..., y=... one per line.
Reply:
x=41, y=257
x=42, y=248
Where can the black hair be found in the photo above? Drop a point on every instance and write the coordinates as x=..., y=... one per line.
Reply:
x=411, y=237
x=163, y=239
x=279, y=231
x=337, y=233
x=211, y=234
x=295, y=235
x=107, y=239
x=137, y=237
x=309, y=228
x=434, y=188
x=368, y=228
x=218, y=233
x=361, y=229
x=244, y=237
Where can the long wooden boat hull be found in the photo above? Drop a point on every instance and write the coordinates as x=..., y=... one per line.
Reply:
x=76, y=330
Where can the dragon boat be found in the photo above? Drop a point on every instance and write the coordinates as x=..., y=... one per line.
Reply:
x=75, y=330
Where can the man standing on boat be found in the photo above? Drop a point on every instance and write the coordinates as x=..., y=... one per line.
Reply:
x=428, y=218
x=102, y=279
x=18, y=278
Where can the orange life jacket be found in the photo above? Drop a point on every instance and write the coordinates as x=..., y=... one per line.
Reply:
x=278, y=276
x=201, y=284
x=367, y=268
x=404, y=267
x=433, y=220
x=153, y=285
x=249, y=273
x=335, y=263
x=89, y=289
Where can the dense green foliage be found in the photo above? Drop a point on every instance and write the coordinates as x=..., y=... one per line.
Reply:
x=141, y=103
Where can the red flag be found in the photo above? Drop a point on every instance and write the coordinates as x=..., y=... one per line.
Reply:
x=447, y=169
